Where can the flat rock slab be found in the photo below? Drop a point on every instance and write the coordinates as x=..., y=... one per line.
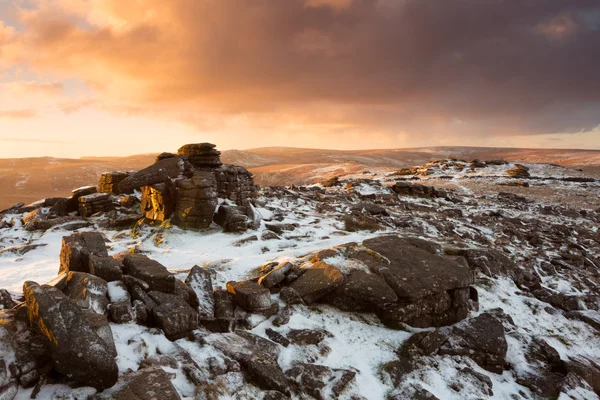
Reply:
x=200, y=281
x=317, y=281
x=152, y=272
x=414, y=273
x=177, y=320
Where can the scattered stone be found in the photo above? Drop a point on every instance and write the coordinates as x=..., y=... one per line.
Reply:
x=319, y=381
x=307, y=337
x=249, y=295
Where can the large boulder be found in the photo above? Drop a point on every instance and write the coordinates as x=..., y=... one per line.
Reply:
x=414, y=273
x=317, y=281
x=95, y=203
x=77, y=249
x=152, y=272
x=109, y=181
x=77, y=339
x=362, y=291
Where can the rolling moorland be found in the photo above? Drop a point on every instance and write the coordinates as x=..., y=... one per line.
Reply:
x=29, y=179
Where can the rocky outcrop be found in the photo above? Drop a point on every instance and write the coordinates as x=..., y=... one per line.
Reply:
x=159, y=200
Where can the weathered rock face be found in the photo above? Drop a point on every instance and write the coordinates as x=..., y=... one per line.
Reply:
x=196, y=201
x=76, y=339
x=201, y=155
x=88, y=291
x=158, y=201
x=77, y=248
x=109, y=181
x=482, y=339
x=236, y=184
x=186, y=187
x=94, y=203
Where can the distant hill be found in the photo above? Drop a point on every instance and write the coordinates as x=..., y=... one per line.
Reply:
x=29, y=179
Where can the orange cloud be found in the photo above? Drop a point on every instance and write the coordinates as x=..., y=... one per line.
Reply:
x=371, y=66
x=18, y=114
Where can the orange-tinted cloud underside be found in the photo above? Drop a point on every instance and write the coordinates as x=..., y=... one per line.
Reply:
x=120, y=77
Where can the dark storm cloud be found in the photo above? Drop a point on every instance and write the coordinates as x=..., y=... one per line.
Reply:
x=500, y=66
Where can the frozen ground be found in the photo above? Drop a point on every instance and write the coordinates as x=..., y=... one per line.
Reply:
x=360, y=342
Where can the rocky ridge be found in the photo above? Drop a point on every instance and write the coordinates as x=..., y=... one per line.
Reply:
x=365, y=286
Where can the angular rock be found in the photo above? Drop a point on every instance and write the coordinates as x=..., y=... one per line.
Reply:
x=276, y=275
x=6, y=300
x=317, y=281
x=307, y=337
x=159, y=200
x=249, y=295
x=201, y=154
x=77, y=248
x=481, y=339
x=490, y=262
x=196, y=201
x=150, y=271
x=77, y=349
x=106, y=268
x=232, y=218
x=200, y=281
x=88, y=291
x=176, y=319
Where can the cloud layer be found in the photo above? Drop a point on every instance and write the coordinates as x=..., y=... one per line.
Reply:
x=439, y=67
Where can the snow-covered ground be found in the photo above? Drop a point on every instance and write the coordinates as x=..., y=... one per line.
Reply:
x=360, y=342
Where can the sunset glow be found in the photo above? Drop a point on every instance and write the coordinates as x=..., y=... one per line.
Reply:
x=112, y=77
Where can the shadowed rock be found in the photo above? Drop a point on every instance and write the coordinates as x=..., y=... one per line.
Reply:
x=79, y=350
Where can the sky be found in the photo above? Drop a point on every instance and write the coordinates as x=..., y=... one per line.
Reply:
x=113, y=77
